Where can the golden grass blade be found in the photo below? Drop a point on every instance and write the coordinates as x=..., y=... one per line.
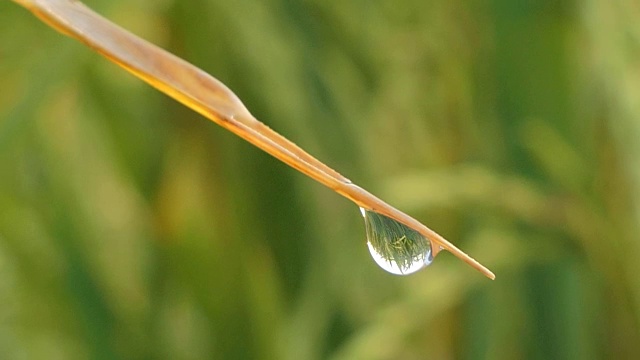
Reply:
x=206, y=95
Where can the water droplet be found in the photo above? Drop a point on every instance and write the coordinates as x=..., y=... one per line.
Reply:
x=395, y=247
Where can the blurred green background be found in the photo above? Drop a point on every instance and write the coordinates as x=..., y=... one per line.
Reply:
x=132, y=228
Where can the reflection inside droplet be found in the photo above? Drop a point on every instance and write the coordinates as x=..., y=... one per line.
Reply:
x=395, y=247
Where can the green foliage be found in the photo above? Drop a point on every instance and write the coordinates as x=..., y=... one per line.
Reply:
x=131, y=228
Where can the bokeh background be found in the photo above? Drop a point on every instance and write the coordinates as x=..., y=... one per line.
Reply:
x=132, y=228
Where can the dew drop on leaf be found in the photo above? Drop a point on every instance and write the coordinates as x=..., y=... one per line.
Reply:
x=394, y=246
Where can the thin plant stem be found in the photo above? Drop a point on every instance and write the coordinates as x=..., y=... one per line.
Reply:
x=208, y=96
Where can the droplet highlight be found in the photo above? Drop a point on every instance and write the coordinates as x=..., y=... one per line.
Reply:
x=395, y=247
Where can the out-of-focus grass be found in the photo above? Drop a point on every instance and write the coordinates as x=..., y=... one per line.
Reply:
x=131, y=228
